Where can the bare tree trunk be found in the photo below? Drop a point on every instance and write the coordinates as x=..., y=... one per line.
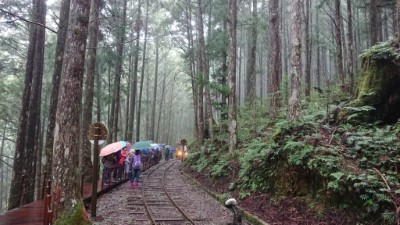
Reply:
x=339, y=46
x=86, y=161
x=204, y=70
x=61, y=40
x=20, y=155
x=398, y=20
x=143, y=75
x=98, y=96
x=308, y=51
x=232, y=128
x=137, y=28
x=192, y=66
x=148, y=113
x=158, y=139
x=295, y=69
x=65, y=179
x=318, y=66
x=3, y=183
x=374, y=21
x=350, y=64
x=251, y=63
x=118, y=71
x=33, y=127
x=153, y=112
x=274, y=57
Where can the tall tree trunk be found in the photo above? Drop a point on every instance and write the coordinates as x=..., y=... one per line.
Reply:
x=118, y=71
x=295, y=69
x=2, y=168
x=137, y=28
x=59, y=55
x=398, y=20
x=339, y=46
x=158, y=139
x=65, y=179
x=86, y=162
x=98, y=96
x=153, y=112
x=33, y=126
x=317, y=36
x=251, y=61
x=374, y=21
x=143, y=74
x=192, y=66
x=204, y=70
x=148, y=111
x=20, y=155
x=224, y=96
x=232, y=128
x=274, y=57
x=308, y=51
x=350, y=64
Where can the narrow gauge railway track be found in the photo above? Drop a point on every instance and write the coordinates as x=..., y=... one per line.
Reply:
x=160, y=201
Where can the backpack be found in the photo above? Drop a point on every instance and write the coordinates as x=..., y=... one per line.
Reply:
x=136, y=162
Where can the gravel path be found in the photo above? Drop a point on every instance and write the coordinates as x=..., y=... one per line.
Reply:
x=113, y=207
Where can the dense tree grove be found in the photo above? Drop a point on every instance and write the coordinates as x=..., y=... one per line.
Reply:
x=168, y=70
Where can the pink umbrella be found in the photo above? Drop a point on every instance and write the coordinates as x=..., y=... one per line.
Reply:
x=113, y=147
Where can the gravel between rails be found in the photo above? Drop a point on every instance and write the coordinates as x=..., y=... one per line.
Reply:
x=115, y=207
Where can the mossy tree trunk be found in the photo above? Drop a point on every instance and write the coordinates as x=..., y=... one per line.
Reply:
x=379, y=84
x=66, y=197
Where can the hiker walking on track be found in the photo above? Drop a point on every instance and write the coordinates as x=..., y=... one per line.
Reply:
x=136, y=163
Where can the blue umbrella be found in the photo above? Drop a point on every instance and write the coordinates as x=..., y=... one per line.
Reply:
x=141, y=145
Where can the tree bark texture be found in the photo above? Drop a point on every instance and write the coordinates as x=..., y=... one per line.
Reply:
x=138, y=118
x=118, y=71
x=192, y=69
x=60, y=46
x=374, y=21
x=33, y=127
x=339, y=46
x=232, y=127
x=251, y=63
x=308, y=50
x=274, y=57
x=153, y=111
x=350, y=62
x=20, y=155
x=295, y=68
x=86, y=162
x=379, y=87
x=204, y=70
x=137, y=28
x=398, y=21
x=65, y=178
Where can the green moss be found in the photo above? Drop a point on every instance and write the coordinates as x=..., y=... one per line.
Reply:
x=382, y=50
x=77, y=217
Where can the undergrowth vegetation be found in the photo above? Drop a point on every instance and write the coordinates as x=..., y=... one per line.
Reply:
x=351, y=166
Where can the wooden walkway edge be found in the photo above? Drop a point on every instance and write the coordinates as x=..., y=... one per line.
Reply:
x=32, y=213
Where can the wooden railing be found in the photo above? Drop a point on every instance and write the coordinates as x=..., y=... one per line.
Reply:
x=115, y=175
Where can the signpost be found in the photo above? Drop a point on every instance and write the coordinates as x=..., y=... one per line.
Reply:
x=97, y=133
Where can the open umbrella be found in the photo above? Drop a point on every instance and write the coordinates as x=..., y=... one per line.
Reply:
x=113, y=147
x=142, y=145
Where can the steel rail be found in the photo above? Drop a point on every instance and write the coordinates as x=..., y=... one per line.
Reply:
x=147, y=206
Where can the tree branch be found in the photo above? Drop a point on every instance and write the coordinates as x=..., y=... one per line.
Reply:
x=28, y=21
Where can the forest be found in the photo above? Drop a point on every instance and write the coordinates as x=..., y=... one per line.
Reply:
x=289, y=98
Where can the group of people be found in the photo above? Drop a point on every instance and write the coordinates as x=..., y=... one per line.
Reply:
x=129, y=162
